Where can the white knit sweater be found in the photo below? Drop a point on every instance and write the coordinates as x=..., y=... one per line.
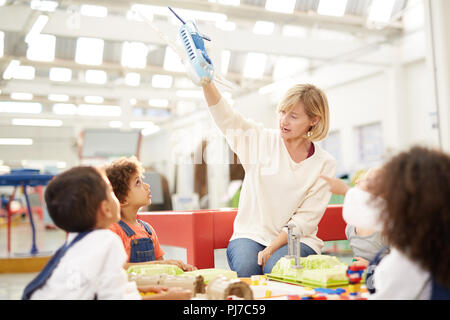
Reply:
x=276, y=190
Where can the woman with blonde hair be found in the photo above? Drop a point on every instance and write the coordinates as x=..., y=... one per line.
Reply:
x=282, y=169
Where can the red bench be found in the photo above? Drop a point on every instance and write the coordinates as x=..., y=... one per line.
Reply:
x=202, y=231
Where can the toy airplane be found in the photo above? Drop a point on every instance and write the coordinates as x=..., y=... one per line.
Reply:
x=193, y=53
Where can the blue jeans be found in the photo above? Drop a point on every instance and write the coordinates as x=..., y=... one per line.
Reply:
x=242, y=255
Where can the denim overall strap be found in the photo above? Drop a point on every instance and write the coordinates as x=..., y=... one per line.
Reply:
x=371, y=269
x=147, y=228
x=126, y=228
x=45, y=274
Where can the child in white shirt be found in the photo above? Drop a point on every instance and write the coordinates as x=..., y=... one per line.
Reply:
x=90, y=264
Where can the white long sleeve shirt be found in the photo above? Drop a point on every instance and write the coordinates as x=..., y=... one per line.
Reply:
x=396, y=277
x=276, y=190
x=91, y=267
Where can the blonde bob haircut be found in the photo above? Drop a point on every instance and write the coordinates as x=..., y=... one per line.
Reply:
x=316, y=105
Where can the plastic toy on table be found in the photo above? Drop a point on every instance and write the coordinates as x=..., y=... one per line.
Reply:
x=355, y=274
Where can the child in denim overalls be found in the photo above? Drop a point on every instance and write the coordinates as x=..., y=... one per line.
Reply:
x=139, y=238
x=89, y=265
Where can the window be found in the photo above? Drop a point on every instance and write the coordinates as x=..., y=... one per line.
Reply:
x=89, y=51
x=370, y=143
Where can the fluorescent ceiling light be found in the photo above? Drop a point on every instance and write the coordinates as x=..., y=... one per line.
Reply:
x=134, y=55
x=141, y=124
x=20, y=107
x=285, y=6
x=21, y=96
x=332, y=7
x=48, y=6
x=65, y=109
x=94, y=99
x=95, y=76
x=289, y=66
x=99, y=110
x=89, y=51
x=24, y=73
x=226, y=25
x=2, y=43
x=60, y=74
x=225, y=57
x=132, y=79
x=42, y=48
x=37, y=28
x=263, y=27
x=37, y=122
x=255, y=65
x=230, y=2
x=172, y=62
x=58, y=97
x=16, y=141
x=10, y=69
x=189, y=93
x=93, y=11
x=381, y=10
x=162, y=81
x=115, y=124
x=161, y=103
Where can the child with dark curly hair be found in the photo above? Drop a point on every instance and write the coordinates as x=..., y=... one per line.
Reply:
x=139, y=238
x=415, y=220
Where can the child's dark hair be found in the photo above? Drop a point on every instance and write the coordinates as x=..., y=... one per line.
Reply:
x=73, y=198
x=416, y=187
x=119, y=173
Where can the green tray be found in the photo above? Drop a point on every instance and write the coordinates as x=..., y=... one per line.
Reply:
x=312, y=284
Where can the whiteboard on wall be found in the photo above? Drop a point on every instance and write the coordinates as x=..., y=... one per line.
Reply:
x=109, y=143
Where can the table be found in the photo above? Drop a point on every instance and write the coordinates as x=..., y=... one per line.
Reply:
x=23, y=178
x=202, y=231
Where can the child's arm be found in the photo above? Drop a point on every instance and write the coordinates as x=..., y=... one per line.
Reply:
x=183, y=266
x=337, y=186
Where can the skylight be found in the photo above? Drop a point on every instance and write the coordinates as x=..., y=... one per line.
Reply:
x=65, y=109
x=94, y=99
x=332, y=7
x=20, y=107
x=37, y=28
x=60, y=74
x=95, y=76
x=160, y=103
x=132, y=79
x=48, y=6
x=99, y=110
x=381, y=10
x=16, y=141
x=134, y=54
x=58, y=97
x=93, y=11
x=285, y=6
x=37, y=122
x=21, y=96
x=89, y=51
x=42, y=48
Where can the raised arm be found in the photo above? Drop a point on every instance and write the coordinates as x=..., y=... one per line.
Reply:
x=212, y=94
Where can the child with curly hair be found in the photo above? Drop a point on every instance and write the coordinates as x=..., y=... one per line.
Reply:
x=139, y=238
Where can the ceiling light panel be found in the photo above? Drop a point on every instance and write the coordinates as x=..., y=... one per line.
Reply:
x=37, y=122
x=95, y=76
x=332, y=7
x=60, y=74
x=93, y=11
x=42, y=48
x=255, y=65
x=89, y=51
x=285, y=6
x=134, y=55
x=381, y=10
x=263, y=28
x=20, y=107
